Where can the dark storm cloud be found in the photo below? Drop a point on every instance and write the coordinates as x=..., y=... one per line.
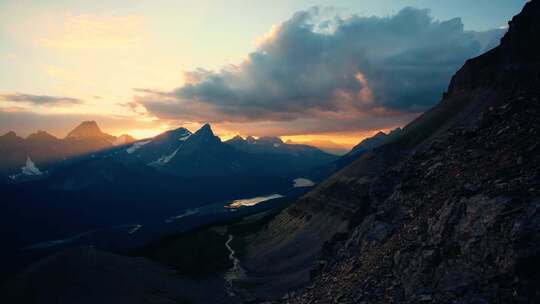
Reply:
x=39, y=99
x=310, y=66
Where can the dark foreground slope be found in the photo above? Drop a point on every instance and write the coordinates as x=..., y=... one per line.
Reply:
x=447, y=212
x=86, y=275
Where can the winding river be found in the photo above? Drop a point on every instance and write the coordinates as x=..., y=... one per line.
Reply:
x=236, y=272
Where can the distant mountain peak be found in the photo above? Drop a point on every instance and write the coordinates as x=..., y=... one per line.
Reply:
x=204, y=135
x=268, y=140
x=10, y=134
x=87, y=129
x=89, y=123
x=205, y=130
x=41, y=135
x=123, y=139
x=237, y=139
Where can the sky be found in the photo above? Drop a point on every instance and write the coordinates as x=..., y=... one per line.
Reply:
x=324, y=72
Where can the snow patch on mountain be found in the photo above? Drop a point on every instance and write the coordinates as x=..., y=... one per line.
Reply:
x=164, y=159
x=184, y=138
x=135, y=228
x=30, y=168
x=186, y=213
x=136, y=146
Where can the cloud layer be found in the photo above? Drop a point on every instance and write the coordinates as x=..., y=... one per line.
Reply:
x=39, y=99
x=330, y=73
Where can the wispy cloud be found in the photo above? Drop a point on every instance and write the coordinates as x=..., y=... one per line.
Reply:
x=39, y=99
x=151, y=91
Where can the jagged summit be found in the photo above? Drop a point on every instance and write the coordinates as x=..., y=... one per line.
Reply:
x=204, y=135
x=201, y=138
x=206, y=129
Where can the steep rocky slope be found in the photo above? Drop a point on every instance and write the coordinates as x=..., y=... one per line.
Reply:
x=447, y=212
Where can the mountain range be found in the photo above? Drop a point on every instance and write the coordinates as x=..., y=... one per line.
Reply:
x=91, y=181
x=202, y=154
x=177, y=152
x=44, y=148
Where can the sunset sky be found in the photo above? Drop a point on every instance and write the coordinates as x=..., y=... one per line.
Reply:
x=325, y=72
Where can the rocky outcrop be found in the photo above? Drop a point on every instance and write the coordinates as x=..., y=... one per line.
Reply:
x=448, y=212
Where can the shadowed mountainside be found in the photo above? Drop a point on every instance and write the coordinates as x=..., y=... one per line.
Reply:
x=414, y=219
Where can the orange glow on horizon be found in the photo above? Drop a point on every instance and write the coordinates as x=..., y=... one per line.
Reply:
x=334, y=141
